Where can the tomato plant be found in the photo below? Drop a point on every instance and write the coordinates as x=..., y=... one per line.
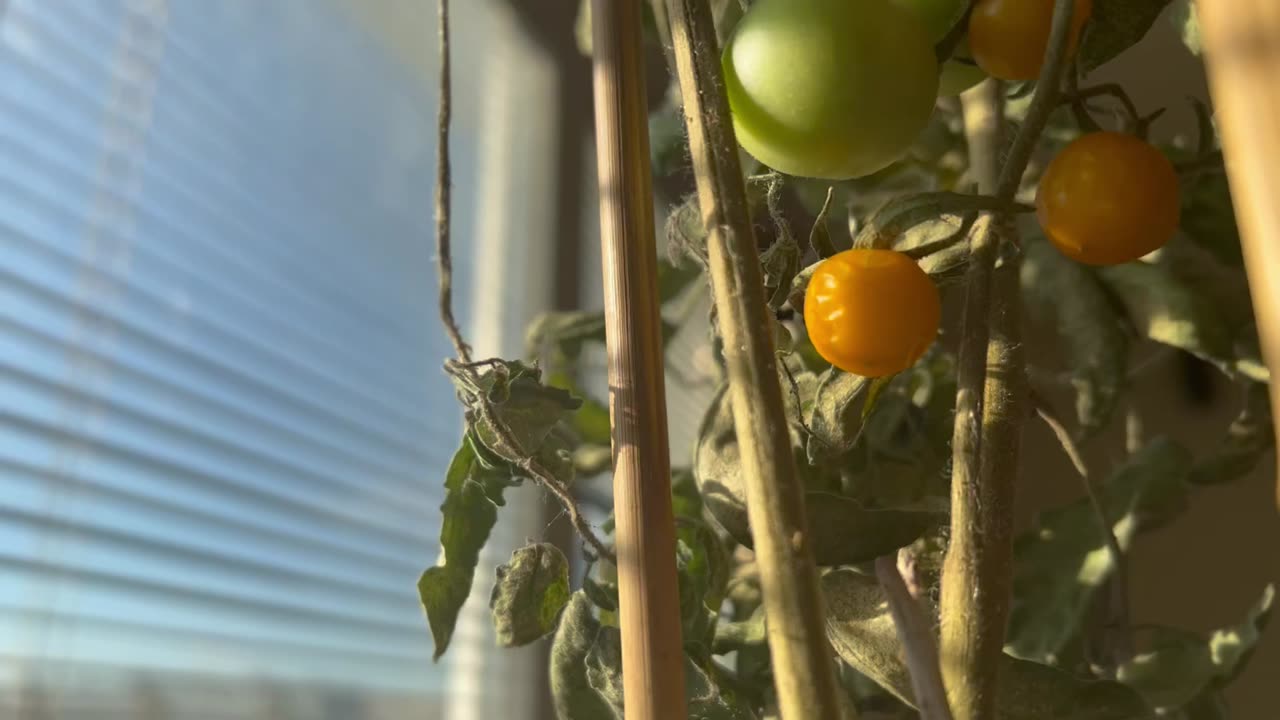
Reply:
x=871, y=312
x=914, y=327
x=1009, y=37
x=867, y=89
x=1108, y=198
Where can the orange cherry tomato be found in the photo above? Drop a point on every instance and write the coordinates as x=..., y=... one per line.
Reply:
x=1009, y=37
x=871, y=312
x=1108, y=198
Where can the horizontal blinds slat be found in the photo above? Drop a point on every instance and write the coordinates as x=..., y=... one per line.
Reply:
x=185, y=518
x=235, y=379
x=167, y=478
x=245, y=579
x=107, y=421
x=192, y=169
x=38, y=344
x=67, y=51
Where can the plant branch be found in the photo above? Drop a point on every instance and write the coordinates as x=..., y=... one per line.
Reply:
x=915, y=632
x=990, y=403
x=464, y=364
x=1124, y=644
x=1042, y=105
x=804, y=672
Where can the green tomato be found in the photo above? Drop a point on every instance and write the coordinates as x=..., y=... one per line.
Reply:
x=938, y=16
x=830, y=89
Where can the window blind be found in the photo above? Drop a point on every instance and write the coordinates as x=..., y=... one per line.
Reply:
x=220, y=405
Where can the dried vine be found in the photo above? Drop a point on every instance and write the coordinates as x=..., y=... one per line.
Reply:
x=464, y=366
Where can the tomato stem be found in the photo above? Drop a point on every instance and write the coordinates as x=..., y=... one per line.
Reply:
x=991, y=400
x=803, y=669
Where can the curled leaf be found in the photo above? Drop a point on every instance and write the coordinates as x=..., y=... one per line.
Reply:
x=575, y=698
x=530, y=592
x=843, y=529
x=907, y=211
x=862, y=632
x=1116, y=26
x=1068, y=298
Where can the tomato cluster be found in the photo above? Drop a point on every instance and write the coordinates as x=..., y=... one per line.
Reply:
x=838, y=89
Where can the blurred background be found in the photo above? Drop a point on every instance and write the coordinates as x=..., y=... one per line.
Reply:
x=223, y=423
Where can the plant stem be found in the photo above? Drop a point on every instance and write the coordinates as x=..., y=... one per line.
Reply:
x=1119, y=582
x=915, y=633
x=991, y=403
x=444, y=259
x=971, y=605
x=804, y=672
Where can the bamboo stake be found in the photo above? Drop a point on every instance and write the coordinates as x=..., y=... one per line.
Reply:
x=804, y=673
x=1242, y=47
x=648, y=601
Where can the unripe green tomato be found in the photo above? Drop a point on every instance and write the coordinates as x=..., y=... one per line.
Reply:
x=830, y=89
x=938, y=16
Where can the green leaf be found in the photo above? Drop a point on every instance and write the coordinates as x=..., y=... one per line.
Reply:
x=1116, y=26
x=574, y=697
x=530, y=592
x=1062, y=562
x=844, y=530
x=529, y=409
x=1067, y=297
x=861, y=630
x=1169, y=311
x=708, y=697
x=820, y=235
x=906, y=211
x=1209, y=218
x=1181, y=667
x=591, y=420
x=473, y=493
x=704, y=694
x=835, y=421
x=1248, y=438
x=749, y=633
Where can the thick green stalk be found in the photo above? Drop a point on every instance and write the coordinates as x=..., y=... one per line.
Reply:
x=991, y=403
x=803, y=668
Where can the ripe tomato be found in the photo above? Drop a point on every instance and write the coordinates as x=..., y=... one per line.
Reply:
x=1009, y=37
x=1108, y=198
x=938, y=16
x=871, y=312
x=830, y=89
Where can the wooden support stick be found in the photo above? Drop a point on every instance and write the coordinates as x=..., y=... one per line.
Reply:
x=649, y=607
x=1242, y=47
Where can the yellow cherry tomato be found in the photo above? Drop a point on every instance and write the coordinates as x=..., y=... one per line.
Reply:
x=1108, y=198
x=871, y=312
x=1009, y=37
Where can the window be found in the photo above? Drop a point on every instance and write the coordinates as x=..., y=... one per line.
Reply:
x=222, y=421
